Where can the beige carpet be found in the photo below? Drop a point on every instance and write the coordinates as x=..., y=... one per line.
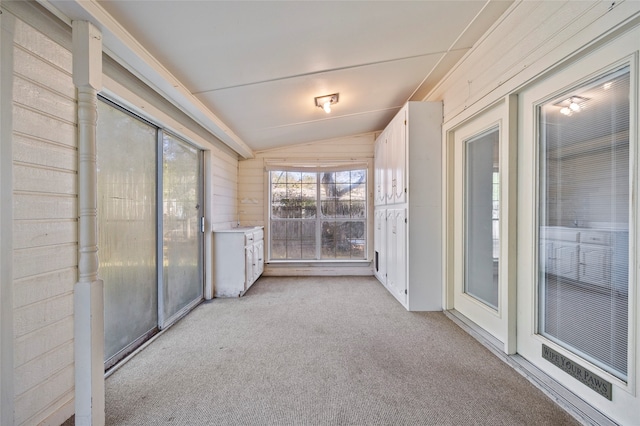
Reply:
x=320, y=351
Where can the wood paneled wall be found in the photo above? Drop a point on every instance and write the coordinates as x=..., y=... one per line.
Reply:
x=45, y=226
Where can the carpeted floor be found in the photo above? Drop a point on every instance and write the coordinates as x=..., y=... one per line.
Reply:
x=320, y=351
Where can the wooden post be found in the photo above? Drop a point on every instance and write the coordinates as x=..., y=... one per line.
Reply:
x=88, y=294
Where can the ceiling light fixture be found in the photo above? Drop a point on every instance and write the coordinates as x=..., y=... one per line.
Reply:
x=571, y=104
x=326, y=101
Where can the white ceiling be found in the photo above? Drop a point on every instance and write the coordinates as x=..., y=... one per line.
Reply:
x=257, y=66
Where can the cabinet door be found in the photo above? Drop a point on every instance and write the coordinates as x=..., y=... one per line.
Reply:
x=548, y=257
x=380, y=161
x=595, y=265
x=398, y=148
x=258, y=255
x=396, y=259
x=248, y=264
x=380, y=244
x=566, y=259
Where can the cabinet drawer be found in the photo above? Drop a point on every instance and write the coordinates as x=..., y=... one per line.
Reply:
x=248, y=238
x=595, y=237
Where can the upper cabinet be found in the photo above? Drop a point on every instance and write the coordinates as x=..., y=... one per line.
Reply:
x=390, y=162
x=398, y=161
x=380, y=160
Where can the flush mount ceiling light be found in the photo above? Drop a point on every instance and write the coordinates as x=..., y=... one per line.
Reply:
x=326, y=101
x=571, y=104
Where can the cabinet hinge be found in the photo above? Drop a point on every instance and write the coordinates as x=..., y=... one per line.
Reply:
x=405, y=190
x=405, y=220
x=405, y=291
x=202, y=224
x=405, y=121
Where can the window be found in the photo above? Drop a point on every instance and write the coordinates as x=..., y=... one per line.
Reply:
x=318, y=215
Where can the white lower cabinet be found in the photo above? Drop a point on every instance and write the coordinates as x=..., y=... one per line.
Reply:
x=380, y=245
x=396, y=281
x=238, y=260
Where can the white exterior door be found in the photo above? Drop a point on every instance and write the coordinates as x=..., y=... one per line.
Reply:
x=480, y=287
x=577, y=171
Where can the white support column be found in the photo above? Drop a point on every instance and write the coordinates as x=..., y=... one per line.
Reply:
x=88, y=294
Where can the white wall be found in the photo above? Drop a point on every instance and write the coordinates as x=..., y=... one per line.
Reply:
x=224, y=193
x=252, y=190
x=530, y=39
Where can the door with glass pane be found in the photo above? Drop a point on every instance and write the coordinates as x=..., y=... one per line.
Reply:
x=583, y=170
x=480, y=279
x=181, y=286
x=126, y=164
x=575, y=222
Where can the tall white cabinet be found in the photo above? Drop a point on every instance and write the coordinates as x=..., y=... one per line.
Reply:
x=407, y=198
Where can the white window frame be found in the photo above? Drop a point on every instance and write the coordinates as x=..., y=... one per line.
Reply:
x=319, y=169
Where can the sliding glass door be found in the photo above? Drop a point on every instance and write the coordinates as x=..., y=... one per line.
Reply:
x=182, y=283
x=126, y=229
x=149, y=227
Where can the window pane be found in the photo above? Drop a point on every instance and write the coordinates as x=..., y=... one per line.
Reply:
x=294, y=177
x=343, y=240
x=308, y=200
x=309, y=240
x=278, y=239
x=584, y=221
x=357, y=240
x=328, y=240
x=294, y=246
x=329, y=208
x=343, y=177
x=480, y=217
x=358, y=209
x=278, y=177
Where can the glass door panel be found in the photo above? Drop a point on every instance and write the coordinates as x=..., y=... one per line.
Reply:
x=126, y=164
x=481, y=209
x=583, y=231
x=182, y=283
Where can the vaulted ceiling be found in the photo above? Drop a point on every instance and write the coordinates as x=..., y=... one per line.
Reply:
x=257, y=66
